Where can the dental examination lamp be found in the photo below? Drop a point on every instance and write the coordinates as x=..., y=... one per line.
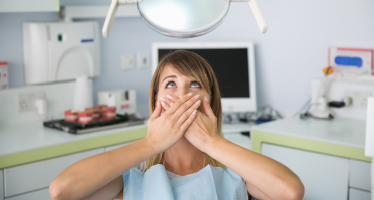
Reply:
x=182, y=18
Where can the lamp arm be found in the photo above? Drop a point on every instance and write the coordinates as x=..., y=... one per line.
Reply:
x=110, y=18
x=258, y=15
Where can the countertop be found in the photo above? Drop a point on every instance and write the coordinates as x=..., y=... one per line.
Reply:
x=29, y=142
x=340, y=137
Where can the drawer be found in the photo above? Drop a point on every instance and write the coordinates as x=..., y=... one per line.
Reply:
x=37, y=195
x=33, y=176
x=1, y=185
x=117, y=146
x=355, y=194
x=359, y=174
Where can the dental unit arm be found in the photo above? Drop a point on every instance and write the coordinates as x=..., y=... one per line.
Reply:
x=258, y=15
x=110, y=16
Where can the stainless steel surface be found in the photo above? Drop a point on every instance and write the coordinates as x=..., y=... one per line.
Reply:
x=181, y=18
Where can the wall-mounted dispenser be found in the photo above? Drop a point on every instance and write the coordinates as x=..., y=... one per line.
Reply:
x=58, y=51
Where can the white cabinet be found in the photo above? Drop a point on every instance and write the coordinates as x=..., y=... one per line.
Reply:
x=31, y=181
x=323, y=176
x=1, y=185
x=355, y=194
x=359, y=174
x=38, y=175
x=29, y=6
x=37, y=195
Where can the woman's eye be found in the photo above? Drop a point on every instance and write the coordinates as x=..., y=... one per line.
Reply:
x=171, y=85
x=195, y=85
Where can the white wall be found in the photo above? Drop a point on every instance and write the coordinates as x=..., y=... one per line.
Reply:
x=288, y=56
x=294, y=50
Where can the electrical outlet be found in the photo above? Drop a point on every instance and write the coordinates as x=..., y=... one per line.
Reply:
x=359, y=97
x=26, y=102
x=143, y=60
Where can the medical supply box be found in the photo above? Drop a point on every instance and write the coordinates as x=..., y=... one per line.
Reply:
x=123, y=100
x=58, y=51
x=351, y=60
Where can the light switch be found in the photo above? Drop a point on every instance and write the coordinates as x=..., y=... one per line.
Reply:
x=127, y=61
x=143, y=60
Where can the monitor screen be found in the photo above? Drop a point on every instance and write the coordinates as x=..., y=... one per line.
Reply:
x=230, y=66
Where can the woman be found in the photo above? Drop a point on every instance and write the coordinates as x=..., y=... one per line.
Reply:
x=185, y=156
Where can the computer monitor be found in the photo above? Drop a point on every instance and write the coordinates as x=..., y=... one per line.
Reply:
x=234, y=67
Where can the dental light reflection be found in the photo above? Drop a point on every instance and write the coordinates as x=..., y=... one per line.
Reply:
x=170, y=17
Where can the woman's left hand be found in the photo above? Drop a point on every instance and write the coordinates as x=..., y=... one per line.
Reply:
x=267, y=178
x=203, y=129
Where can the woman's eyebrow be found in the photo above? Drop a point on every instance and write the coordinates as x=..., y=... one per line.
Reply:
x=171, y=76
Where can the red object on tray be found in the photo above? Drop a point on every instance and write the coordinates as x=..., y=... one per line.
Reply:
x=109, y=113
x=71, y=116
x=101, y=107
x=91, y=115
x=95, y=114
x=85, y=117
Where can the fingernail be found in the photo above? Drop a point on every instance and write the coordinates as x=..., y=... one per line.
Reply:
x=163, y=104
x=162, y=98
x=189, y=94
x=169, y=97
x=197, y=96
x=206, y=99
x=194, y=112
x=198, y=102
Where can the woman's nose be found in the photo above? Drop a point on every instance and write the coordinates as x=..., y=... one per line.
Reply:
x=183, y=91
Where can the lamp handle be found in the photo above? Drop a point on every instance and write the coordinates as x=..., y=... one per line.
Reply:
x=110, y=18
x=258, y=15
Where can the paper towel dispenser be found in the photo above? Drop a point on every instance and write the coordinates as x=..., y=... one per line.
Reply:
x=58, y=51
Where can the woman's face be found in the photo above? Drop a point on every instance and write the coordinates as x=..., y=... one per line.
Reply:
x=174, y=83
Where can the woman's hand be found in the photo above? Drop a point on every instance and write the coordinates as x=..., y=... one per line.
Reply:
x=203, y=129
x=265, y=177
x=165, y=130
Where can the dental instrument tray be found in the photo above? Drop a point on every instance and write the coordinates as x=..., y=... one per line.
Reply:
x=75, y=128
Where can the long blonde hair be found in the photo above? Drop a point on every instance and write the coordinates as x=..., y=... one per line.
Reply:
x=191, y=65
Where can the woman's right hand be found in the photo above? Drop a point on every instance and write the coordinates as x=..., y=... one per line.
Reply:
x=165, y=130
x=101, y=175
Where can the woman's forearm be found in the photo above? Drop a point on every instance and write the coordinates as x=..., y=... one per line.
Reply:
x=112, y=190
x=272, y=178
x=86, y=176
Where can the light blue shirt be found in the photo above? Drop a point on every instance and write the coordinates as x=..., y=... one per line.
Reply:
x=210, y=183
